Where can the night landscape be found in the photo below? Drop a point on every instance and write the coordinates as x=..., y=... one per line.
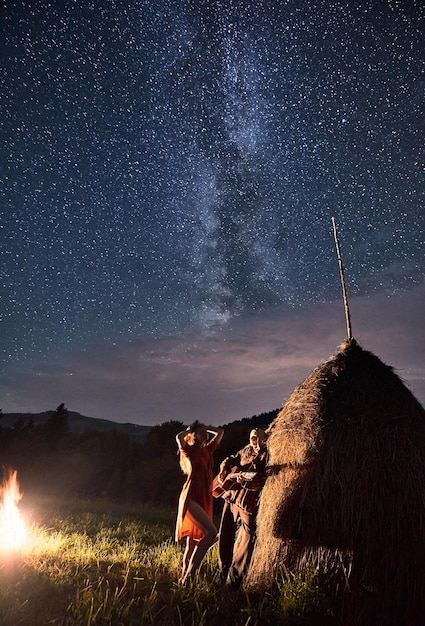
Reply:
x=171, y=177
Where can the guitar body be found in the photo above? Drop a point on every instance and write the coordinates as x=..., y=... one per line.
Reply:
x=219, y=487
x=230, y=480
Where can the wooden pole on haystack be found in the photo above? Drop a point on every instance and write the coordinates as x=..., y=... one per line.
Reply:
x=341, y=273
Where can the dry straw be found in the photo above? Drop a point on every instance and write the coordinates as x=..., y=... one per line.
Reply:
x=346, y=491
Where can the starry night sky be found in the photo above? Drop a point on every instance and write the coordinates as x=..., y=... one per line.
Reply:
x=169, y=171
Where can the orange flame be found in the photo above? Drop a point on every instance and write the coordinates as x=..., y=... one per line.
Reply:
x=12, y=527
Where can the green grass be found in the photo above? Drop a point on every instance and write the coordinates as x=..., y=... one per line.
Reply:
x=95, y=564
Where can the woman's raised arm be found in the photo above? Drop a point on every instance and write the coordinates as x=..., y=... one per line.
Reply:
x=181, y=438
x=216, y=432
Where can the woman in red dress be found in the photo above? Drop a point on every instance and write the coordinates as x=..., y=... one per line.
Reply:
x=194, y=517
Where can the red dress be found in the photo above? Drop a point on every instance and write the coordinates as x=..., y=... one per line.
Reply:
x=198, y=487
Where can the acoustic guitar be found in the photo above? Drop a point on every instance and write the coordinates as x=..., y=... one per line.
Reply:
x=230, y=480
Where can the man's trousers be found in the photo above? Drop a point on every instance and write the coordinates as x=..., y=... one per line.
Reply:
x=236, y=542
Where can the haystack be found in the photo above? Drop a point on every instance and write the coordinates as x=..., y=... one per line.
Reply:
x=346, y=492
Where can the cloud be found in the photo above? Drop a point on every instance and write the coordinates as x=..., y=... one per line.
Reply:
x=244, y=370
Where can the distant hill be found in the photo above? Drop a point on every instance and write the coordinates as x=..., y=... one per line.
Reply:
x=77, y=423
x=80, y=423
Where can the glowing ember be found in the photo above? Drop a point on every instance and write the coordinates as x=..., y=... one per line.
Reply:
x=12, y=528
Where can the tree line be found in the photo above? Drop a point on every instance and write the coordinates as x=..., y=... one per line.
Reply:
x=53, y=462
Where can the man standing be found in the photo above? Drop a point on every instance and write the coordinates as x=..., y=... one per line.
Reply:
x=238, y=520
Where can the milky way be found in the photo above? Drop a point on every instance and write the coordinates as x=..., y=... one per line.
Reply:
x=167, y=166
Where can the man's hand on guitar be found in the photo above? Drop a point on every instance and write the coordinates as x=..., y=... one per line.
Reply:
x=222, y=475
x=224, y=470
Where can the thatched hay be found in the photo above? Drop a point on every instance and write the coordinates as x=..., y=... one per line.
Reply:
x=346, y=491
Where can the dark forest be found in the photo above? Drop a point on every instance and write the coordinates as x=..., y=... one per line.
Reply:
x=52, y=461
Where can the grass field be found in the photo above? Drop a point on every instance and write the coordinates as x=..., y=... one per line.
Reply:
x=94, y=563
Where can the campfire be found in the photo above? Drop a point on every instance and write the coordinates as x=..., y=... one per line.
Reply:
x=12, y=527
